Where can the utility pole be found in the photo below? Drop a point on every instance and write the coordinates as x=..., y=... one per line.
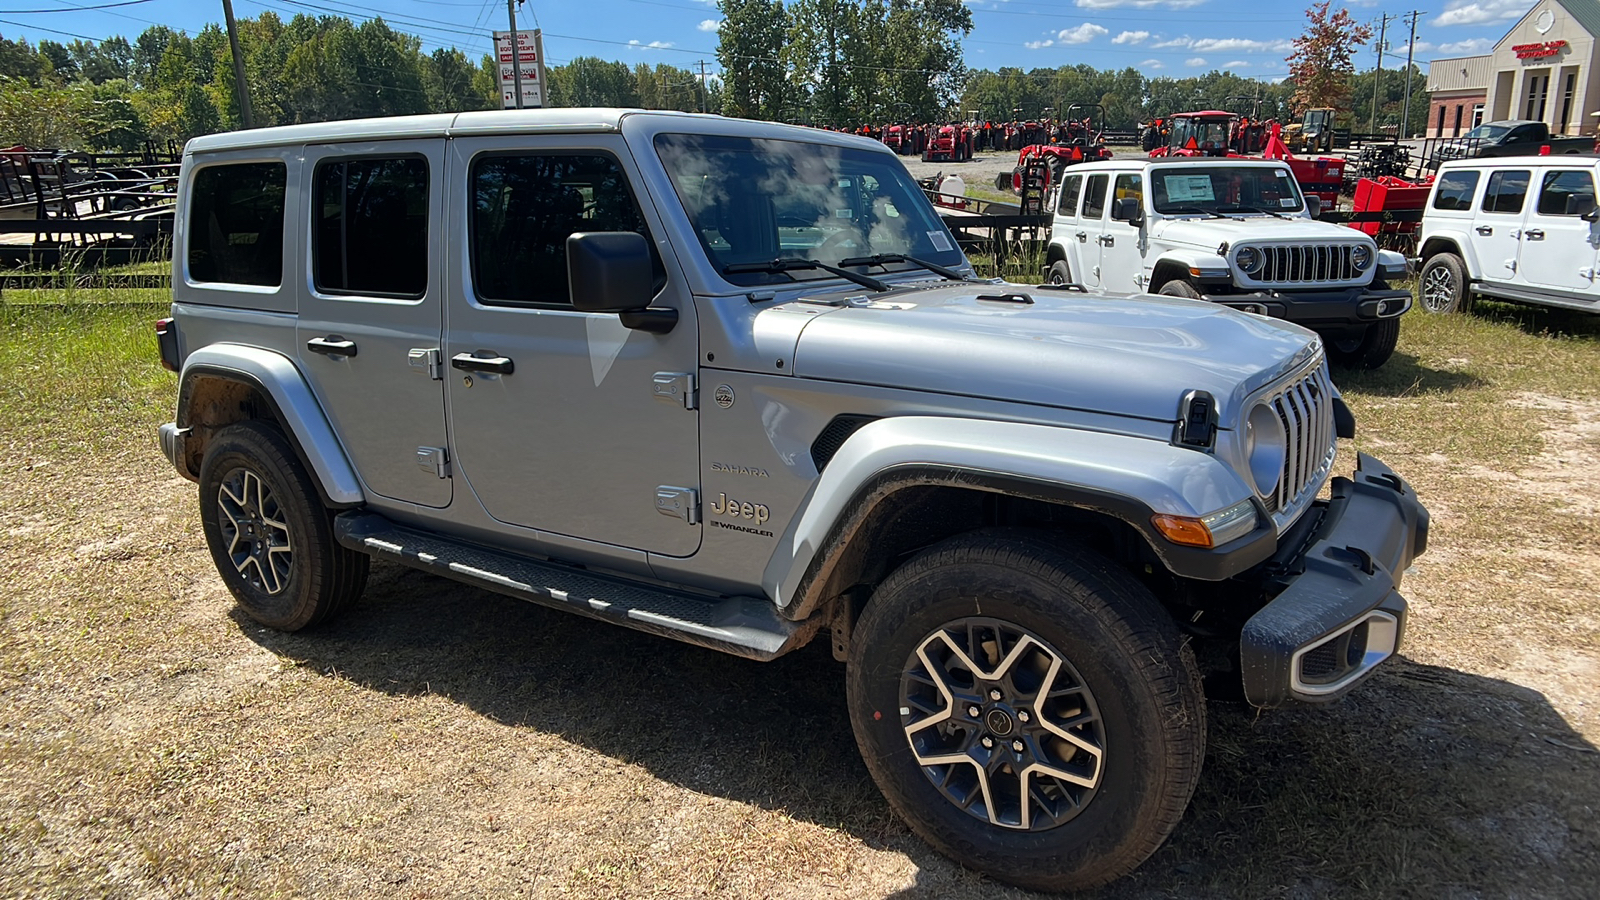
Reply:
x=703, y=100
x=1405, y=117
x=516, y=52
x=1377, y=76
x=240, y=86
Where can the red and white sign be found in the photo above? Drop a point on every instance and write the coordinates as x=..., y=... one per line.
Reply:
x=530, y=60
x=1538, y=51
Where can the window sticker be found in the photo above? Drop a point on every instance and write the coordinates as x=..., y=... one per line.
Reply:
x=941, y=241
x=1189, y=188
x=1287, y=202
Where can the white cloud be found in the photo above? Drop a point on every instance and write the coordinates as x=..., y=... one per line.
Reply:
x=1421, y=49
x=1131, y=37
x=1139, y=4
x=1153, y=64
x=1233, y=45
x=1174, y=42
x=653, y=45
x=1467, y=47
x=1460, y=12
x=710, y=24
x=1195, y=62
x=1083, y=34
x=1035, y=45
x=1236, y=64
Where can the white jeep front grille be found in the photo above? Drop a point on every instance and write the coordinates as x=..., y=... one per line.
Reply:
x=1305, y=407
x=1307, y=263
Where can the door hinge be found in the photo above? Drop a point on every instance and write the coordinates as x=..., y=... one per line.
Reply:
x=675, y=388
x=1586, y=272
x=427, y=359
x=679, y=502
x=435, y=460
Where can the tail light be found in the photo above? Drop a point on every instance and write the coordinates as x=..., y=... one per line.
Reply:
x=167, y=340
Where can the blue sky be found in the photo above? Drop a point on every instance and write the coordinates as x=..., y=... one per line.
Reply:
x=1159, y=37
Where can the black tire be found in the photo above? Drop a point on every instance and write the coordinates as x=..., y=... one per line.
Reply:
x=1179, y=287
x=1369, y=351
x=274, y=549
x=1002, y=182
x=1442, y=286
x=1060, y=273
x=1135, y=690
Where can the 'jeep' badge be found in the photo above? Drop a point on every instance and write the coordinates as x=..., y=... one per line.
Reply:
x=723, y=395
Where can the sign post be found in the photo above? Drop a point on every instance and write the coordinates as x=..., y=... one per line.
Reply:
x=522, y=72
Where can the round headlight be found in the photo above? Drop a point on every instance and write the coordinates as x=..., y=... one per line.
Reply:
x=1264, y=446
x=1249, y=260
x=1361, y=255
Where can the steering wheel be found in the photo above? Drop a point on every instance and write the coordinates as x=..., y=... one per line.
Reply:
x=836, y=243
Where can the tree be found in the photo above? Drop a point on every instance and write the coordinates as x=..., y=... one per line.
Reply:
x=1321, y=65
x=750, y=47
x=448, y=77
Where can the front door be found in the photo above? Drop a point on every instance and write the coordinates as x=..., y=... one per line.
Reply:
x=371, y=306
x=1122, y=245
x=581, y=430
x=1558, y=244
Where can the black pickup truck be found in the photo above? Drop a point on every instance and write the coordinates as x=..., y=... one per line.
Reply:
x=1513, y=137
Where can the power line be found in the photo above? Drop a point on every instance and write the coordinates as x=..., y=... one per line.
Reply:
x=54, y=31
x=18, y=12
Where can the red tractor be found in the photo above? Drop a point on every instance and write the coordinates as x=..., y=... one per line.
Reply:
x=951, y=143
x=1079, y=139
x=1216, y=133
x=900, y=139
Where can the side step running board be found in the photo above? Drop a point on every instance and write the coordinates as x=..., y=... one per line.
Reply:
x=744, y=626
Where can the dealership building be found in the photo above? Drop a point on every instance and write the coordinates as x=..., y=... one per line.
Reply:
x=1544, y=68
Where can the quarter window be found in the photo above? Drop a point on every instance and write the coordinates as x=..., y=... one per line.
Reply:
x=236, y=224
x=1094, y=199
x=1568, y=192
x=1455, y=190
x=523, y=210
x=1505, y=192
x=371, y=227
x=1070, y=189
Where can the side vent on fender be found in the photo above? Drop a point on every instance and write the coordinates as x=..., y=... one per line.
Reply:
x=833, y=436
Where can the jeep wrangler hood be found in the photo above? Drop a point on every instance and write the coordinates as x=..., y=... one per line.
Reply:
x=1120, y=356
x=1208, y=232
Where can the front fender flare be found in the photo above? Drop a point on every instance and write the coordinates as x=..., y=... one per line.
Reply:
x=297, y=409
x=1130, y=478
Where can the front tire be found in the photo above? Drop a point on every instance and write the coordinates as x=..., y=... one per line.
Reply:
x=1178, y=287
x=1369, y=351
x=1060, y=273
x=1443, y=284
x=1090, y=725
x=269, y=534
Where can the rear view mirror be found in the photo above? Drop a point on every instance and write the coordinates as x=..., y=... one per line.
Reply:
x=1580, y=205
x=1313, y=206
x=612, y=272
x=1128, y=209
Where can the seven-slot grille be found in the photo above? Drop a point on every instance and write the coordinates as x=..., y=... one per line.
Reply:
x=1305, y=407
x=1308, y=262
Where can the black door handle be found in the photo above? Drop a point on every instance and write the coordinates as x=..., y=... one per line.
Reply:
x=332, y=345
x=466, y=362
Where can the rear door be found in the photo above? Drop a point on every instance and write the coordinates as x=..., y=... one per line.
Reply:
x=371, y=288
x=1068, y=231
x=1496, y=232
x=1092, y=222
x=1558, y=244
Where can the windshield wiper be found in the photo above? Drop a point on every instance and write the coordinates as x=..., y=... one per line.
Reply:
x=1257, y=209
x=880, y=259
x=784, y=265
x=1198, y=209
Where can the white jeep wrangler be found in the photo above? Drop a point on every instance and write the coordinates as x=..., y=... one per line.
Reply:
x=1233, y=231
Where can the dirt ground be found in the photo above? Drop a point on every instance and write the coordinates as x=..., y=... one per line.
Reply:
x=439, y=741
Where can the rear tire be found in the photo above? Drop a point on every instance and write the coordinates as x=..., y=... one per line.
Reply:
x=1107, y=762
x=269, y=534
x=1178, y=287
x=1442, y=286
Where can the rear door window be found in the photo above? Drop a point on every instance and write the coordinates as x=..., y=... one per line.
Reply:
x=371, y=227
x=1094, y=197
x=1455, y=190
x=1506, y=191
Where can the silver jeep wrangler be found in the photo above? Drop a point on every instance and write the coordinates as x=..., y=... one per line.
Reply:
x=734, y=383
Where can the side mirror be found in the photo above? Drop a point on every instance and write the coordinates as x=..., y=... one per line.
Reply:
x=1313, y=206
x=611, y=272
x=1580, y=205
x=1130, y=210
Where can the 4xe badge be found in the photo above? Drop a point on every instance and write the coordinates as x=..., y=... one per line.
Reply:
x=723, y=395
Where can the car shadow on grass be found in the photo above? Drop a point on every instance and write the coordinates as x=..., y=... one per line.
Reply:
x=1540, y=320
x=1426, y=782
x=1402, y=376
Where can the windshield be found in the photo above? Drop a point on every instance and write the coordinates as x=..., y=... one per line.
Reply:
x=1190, y=189
x=753, y=201
x=1487, y=132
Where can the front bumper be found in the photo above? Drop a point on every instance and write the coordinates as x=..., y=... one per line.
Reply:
x=1341, y=613
x=1349, y=306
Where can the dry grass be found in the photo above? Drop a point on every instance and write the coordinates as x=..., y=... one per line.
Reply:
x=439, y=741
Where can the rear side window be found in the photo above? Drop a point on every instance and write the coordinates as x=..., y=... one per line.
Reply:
x=1505, y=192
x=1094, y=199
x=1556, y=189
x=1455, y=190
x=1070, y=189
x=371, y=226
x=523, y=209
x=236, y=224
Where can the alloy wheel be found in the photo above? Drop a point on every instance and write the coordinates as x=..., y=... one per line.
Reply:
x=255, y=529
x=1438, y=289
